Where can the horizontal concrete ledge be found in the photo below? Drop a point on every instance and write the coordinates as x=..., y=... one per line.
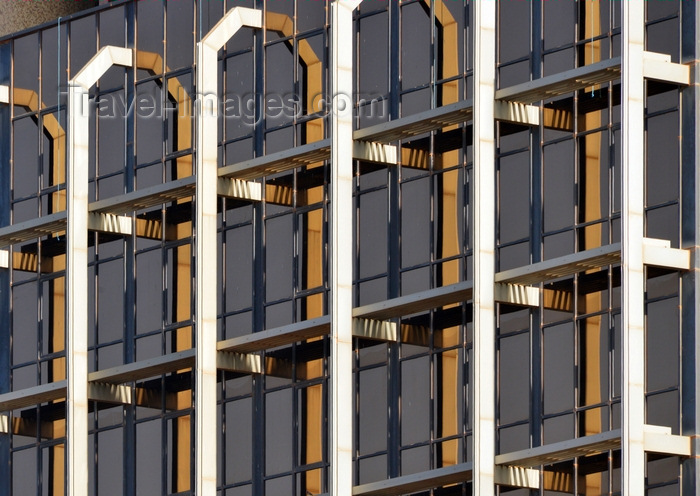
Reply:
x=145, y=368
x=413, y=125
x=562, y=266
x=421, y=481
x=33, y=395
x=416, y=302
x=562, y=83
x=146, y=197
x=562, y=451
x=278, y=336
x=273, y=163
x=34, y=228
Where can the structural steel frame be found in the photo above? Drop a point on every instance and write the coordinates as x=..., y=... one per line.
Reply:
x=520, y=286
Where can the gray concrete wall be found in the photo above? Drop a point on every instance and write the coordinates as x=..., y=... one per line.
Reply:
x=16, y=15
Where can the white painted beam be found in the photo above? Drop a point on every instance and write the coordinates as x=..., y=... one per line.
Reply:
x=517, y=477
x=4, y=94
x=239, y=362
x=239, y=189
x=375, y=152
x=380, y=330
x=633, y=355
x=484, y=322
x=518, y=113
x=658, y=439
x=110, y=393
x=4, y=424
x=658, y=252
x=4, y=259
x=341, y=249
x=517, y=294
x=108, y=223
x=205, y=224
x=76, y=263
x=658, y=66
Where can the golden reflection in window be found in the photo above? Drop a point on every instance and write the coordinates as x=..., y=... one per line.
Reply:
x=592, y=422
x=313, y=65
x=182, y=337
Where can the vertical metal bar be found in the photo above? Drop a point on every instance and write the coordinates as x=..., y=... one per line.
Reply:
x=536, y=238
x=258, y=485
x=341, y=248
x=632, y=261
x=5, y=329
x=690, y=239
x=394, y=254
x=129, y=452
x=484, y=260
x=208, y=100
x=76, y=289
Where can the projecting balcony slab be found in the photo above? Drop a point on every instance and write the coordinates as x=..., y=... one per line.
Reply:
x=145, y=368
x=562, y=83
x=146, y=197
x=279, y=336
x=273, y=163
x=46, y=225
x=33, y=396
x=421, y=481
x=562, y=266
x=416, y=302
x=413, y=125
x=562, y=451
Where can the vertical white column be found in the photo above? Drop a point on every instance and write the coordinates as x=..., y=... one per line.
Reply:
x=76, y=293
x=206, y=268
x=483, y=385
x=205, y=272
x=633, y=355
x=76, y=263
x=341, y=417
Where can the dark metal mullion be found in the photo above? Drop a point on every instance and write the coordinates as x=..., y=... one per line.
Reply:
x=258, y=403
x=536, y=227
x=129, y=437
x=5, y=329
x=394, y=247
x=690, y=237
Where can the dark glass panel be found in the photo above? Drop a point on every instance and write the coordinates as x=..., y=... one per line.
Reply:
x=558, y=368
x=514, y=29
x=238, y=436
x=514, y=378
x=415, y=222
x=83, y=43
x=373, y=233
x=415, y=401
x=662, y=345
x=180, y=27
x=374, y=55
x=373, y=406
x=514, y=197
x=278, y=432
x=662, y=166
x=415, y=45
